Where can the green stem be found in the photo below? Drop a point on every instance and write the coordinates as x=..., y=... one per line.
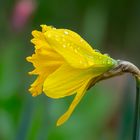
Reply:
x=120, y=68
x=137, y=112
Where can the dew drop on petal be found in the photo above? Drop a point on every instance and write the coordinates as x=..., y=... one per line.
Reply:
x=106, y=54
x=57, y=39
x=66, y=32
x=108, y=62
x=63, y=40
x=52, y=27
x=49, y=35
x=75, y=50
x=103, y=62
x=63, y=35
x=96, y=50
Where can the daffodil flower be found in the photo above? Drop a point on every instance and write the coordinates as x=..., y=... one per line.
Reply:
x=65, y=65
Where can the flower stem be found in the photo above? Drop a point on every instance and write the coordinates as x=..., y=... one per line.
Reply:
x=137, y=112
x=120, y=68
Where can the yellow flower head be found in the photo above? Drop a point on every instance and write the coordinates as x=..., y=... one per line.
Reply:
x=65, y=64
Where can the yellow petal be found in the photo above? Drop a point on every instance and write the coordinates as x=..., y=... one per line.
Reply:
x=66, y=80
x=80, y=93
x=45, y=63
x=46, y=28
x=45, y=60
x=36, y=87
x=39, y=39
x=75, y=50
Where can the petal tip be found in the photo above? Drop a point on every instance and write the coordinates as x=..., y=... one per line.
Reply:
x=29, y=58
x=33, y=32
x=63, y=119
x=34, y=95
x=60, y=121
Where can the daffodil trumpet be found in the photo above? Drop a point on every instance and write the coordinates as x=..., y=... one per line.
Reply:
x=65, y=64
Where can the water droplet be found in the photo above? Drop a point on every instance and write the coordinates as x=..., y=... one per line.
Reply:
x=106, y=54
x=68, y=44
x=90, y=62
x=89, y=56
x=81, y=40
x=96, y=50
x=66, y=32
x=75, y=50
x=57, y=39
x=108, y=62
x=63, y=36
x=63, y=40
x=80, y=61
x=49, y=35
x=103, y=62
x=71, y=47
x=52, y=27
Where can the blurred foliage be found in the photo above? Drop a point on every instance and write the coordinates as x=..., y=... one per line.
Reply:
x=106, y=111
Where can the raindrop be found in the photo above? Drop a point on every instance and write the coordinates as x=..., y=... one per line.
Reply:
x=96, y=50
x=63, y=36
x=100, y=57
x=80, y=61
x=108, y=62
x=68, y=44
x=66, y=32
x=103, y=62
x=63, y=40
x=81, y=40
x=89, y=56
x=52, y=27
x=106, y=54
x=75, y=50
x=49, y=35
x=57, y=39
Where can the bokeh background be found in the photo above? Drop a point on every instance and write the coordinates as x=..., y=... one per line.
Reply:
x=106, y=111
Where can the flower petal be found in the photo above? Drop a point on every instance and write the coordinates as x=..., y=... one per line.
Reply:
x=45, y=60
x=46, y=28
x=75, y=50
x=36, y=87
x=66, y=80
x=45, y=63
x=80, y=93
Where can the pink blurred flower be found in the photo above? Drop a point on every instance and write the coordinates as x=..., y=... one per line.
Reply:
x=22, y=11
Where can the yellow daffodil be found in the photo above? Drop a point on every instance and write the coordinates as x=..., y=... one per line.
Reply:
x=65, y=64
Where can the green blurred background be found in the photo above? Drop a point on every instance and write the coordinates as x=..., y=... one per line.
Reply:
x=106, y=111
